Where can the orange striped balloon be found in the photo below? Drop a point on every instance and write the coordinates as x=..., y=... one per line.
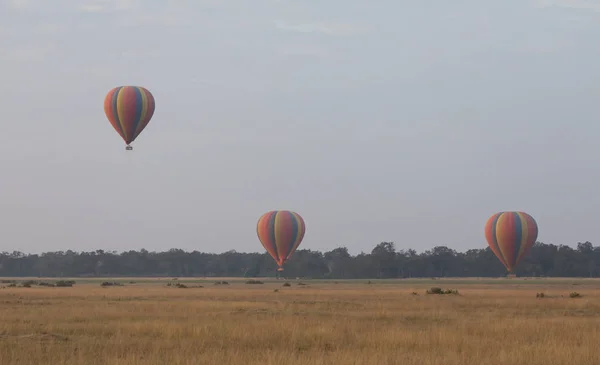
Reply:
x=511, y=235
x=280, y=232
x=129, y=110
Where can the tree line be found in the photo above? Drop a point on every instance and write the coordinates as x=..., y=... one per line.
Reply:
x=384, y=261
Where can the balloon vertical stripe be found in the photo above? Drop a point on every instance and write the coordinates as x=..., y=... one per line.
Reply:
x=139, y=102
x=280, y=233
x=271, y=234
x=110, y=108
x=298, y=233
x=145, y=113
x=490, y=234
x=284, y=238
x=510, y=235
x=529, y=234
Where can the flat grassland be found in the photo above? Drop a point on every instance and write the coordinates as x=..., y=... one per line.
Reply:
x=490, y=322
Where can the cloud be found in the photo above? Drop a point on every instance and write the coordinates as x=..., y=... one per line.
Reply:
x=165, y=19
x=6, y=32
x=50, y=28
x=89, y=6
x=133, y=13
x=323, y=28
x=27, y=52
x=140, y=53
x=92, y=8
x=20, y=4
x=104, y=6
x=593, y=5
x=305, y=50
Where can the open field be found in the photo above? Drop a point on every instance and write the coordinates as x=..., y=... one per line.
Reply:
x=490, y=322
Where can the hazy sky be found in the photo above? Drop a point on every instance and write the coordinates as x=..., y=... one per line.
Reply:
x=383, y=120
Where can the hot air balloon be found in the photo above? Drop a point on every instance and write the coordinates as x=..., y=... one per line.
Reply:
x=129, y=110
x=510, y=235
x=280, y=232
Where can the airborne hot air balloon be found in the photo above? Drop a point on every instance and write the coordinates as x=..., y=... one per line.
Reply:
x=510, y=235
x=129, y=110
x=280, y=232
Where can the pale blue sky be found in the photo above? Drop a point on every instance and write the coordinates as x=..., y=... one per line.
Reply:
x=389, y=120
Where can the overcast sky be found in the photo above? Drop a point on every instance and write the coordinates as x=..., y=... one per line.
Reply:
x=383, y=120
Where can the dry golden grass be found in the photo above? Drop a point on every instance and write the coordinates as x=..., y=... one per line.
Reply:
x=321, y=323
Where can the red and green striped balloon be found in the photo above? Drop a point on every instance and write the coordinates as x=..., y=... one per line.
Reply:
x=129, y=110
x=511, y=235
x=280, y=232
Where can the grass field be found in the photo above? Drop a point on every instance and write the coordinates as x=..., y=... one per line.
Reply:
x=490, y=322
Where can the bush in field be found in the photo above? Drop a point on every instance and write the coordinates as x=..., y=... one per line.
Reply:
x=177, y=285
x=440, y=291
x=252, y=281
x=65, y=283
x=111, y=283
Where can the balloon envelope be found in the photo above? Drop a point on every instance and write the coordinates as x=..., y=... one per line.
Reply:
x=510, y=235
x=280, y=232
x=129, y=110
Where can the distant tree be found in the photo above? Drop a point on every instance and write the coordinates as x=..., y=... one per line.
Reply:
x=384, y=261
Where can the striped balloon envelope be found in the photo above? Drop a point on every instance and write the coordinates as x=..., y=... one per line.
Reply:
x=129, y=110
x=511, y=235
x=280, y=232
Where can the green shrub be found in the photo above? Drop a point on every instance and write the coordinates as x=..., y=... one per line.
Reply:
x=110, y=283
x=65, y=283
x=440, y=291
